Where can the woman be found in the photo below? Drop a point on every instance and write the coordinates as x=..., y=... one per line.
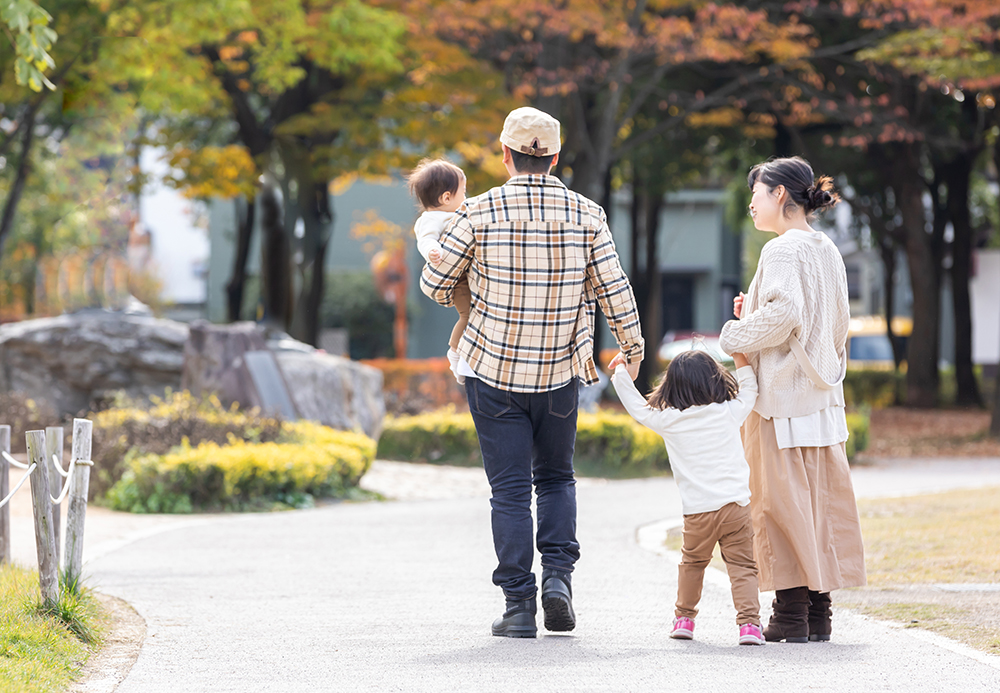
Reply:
x=793, y=327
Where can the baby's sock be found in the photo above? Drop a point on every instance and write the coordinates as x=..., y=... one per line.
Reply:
x=453, y=360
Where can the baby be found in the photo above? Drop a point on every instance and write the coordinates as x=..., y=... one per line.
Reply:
x=439, y=187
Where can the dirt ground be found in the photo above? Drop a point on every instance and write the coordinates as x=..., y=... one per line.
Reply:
x=903, y=432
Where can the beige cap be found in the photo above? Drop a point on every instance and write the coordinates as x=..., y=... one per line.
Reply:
x=530, y=131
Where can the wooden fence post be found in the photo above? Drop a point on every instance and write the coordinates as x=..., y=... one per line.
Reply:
x=54, y=447
x=76, y=513
x=4, y=490
x=45, y=543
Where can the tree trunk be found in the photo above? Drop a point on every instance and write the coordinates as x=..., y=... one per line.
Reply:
x=995, y=420
x=237, y=282
x=959, y=172
x=276, y=287
x=922, y=348
x=314, y=209
x=652, y=309
x=887, y=250
x=20, y=178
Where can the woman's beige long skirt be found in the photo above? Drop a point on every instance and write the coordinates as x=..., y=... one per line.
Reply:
x=805, y=518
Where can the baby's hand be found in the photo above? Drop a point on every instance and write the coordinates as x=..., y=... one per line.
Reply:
x=618, y=360
x=740, y=360
x=435, y=257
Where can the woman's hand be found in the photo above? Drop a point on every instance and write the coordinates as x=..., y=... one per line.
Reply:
x=738, y=304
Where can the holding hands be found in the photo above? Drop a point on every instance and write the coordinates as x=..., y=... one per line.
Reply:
x=631, y=368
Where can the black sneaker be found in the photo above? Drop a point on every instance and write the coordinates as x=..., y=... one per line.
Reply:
x=518, y=621
x=557, y=601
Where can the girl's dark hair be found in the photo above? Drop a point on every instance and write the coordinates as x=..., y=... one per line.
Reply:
x=693, y=378
x=431, y=179
x=796, y=175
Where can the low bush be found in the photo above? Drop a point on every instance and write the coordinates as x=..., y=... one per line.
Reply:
x=612, y=444
x=857, y=427
x=307, y=461
x=161, y=424
x=415, y=386
x=875, y=389
x=608, y=444
x=22, y=413
x=441, y=437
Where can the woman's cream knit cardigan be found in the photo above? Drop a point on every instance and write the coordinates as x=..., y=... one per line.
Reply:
x=800, y=289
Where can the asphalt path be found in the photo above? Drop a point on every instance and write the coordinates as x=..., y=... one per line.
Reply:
x=396, y=596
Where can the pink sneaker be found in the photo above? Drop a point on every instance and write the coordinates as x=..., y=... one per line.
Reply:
x=751, y=635
x=683, y=629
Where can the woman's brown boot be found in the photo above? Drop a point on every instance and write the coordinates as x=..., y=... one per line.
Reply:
x=820, y=615
x=790, y=618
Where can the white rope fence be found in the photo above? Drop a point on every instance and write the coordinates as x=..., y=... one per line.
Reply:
x=44, y=470
x=17, y=487
x=67, y=473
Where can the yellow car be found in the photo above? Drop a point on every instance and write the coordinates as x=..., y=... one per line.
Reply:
x=868, y=344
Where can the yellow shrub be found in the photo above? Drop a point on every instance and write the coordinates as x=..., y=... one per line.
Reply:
x=160, y=424
x=607, y=443
x=309, y=461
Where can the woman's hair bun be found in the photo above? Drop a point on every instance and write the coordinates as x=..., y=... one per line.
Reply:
x=820, y=195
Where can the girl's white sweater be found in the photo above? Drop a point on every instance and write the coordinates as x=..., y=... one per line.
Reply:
x=703, y=442
x=800, y=289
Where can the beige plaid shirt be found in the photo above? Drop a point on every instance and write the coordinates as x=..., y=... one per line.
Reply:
x=539, y=257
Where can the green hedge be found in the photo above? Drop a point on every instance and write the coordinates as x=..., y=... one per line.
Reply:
x=307, y=461
x=608, y=444
x=161, y=424
x=857, y=426
x=875, y=389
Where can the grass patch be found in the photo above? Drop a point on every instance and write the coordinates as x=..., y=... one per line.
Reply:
x=944, y=537
x=42, y=649
x=967, y=624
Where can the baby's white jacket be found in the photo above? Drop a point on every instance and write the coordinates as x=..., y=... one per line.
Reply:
x=428, y=229
x=703, y=442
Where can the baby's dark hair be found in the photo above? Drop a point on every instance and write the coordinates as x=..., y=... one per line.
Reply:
x=431, y=179
x=796, y=175
x=693, y=378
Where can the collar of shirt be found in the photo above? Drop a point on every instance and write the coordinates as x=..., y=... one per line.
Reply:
x=535, y=179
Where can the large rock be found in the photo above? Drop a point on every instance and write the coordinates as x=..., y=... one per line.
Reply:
x=213, y=361
x=333, y=390
x=71, y=361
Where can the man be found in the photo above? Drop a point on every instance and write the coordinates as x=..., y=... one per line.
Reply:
x=538, y=256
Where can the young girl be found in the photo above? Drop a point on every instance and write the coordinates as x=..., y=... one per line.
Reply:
x=439, y=187
x=698, y=409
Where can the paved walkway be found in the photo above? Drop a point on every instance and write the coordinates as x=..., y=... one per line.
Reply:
x=396, y=596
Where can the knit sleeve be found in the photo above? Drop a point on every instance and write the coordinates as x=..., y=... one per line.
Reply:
x=779, y=311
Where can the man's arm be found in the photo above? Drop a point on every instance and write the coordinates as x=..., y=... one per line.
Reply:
x=610, y=285
x=458, y=245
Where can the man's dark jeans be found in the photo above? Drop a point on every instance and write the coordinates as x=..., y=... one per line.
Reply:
x=528, y=438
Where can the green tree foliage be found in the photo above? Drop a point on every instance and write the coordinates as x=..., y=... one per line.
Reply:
x=27, y=27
